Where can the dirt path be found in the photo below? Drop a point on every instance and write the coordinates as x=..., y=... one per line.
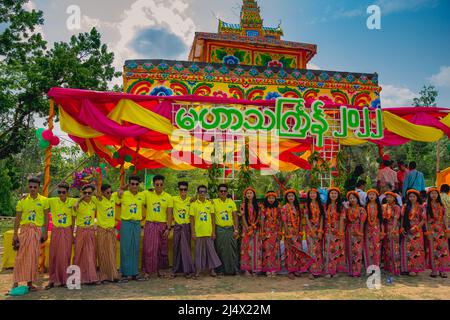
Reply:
x=241, y=288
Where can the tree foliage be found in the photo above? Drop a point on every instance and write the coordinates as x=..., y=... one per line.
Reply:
x=28, y=69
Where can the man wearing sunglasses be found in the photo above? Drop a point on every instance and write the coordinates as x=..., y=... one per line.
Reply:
x=131, y=204
x=61, y=241
x=106, y=233
x=159, y=206
x=227, y=232
x=85, y=254
x=182, y=254
x=203, y=232
x=33, y=223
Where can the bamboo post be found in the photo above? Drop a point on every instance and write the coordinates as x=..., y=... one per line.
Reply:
x=122, y=170
x=438, y=157
x=138, y=149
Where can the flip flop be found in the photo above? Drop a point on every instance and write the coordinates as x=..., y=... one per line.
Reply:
x=32, y=289
x=443, y=275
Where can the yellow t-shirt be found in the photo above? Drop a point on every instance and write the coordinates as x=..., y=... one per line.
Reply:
x=157, y=206
x=202, y=211
x=224, y=212
x=106, y=211
x=32, y=210
x=62, y=212
x=181, y=210
x=132, y=206
x=85, y=214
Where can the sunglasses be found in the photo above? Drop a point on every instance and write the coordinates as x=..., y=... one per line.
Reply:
x=87, y=193
x=32, y=187
x=183, y=189
x=202, y=192
x=223, y=191
x=108, y=192
x=134, y=184
x=159, y=185
x=62, y=192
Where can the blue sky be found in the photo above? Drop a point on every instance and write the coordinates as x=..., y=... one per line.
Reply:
x=412, y=48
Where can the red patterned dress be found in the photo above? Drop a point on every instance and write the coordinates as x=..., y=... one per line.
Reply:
x=296, y=259
x=412, y=244
x=354, y=240
x=333, y=242
x=271, y=239
x=372, y=238
x=314, y=239
x=438, y=251
x=251, y=246
x=391, y=244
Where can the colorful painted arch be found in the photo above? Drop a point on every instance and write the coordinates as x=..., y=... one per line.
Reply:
x=113, y=125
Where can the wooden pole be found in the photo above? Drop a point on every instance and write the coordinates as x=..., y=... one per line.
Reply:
x=438, y=157
x=48, y=152
x=122, y=170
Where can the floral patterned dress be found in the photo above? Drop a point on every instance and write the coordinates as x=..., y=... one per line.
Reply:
x=412, y=243
x=296, y=259
x=271, y=239
x=438, y=251
x=391, y=244
x=354, y=240
x=315, y=242
x=372, y=238
x=251, y=245
x=333, y=242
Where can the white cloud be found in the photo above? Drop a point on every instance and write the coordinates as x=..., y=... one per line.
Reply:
x=312, y=66
x=442, y=79
x=392, y=96
x=392, y=6
x=30, y=6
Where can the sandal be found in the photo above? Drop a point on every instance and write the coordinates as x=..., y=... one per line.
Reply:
x=443, y=275
x=291, y=276
x=142, y=278
x=213, y=274
x=32, y=289
x=124, y=280
x=49, y=286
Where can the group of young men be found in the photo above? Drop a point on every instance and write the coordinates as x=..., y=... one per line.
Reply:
x=88, y=224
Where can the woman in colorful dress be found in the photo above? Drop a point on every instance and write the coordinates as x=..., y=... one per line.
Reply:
x=391, y=244
x=374, y=230
x=315, y=215
x=333, y=242
x=411, y=240
x=270, y=234
x=437, y=233
x=251, y=246
x=296, y=261
x=354, y=234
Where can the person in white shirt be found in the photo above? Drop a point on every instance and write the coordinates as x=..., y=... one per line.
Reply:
x=360, y=187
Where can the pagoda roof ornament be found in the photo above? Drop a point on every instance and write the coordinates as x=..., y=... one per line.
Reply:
x=251, y=25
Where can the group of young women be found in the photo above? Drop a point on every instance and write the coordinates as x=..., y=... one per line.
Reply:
x=343, y=236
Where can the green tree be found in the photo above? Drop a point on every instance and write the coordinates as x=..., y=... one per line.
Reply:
x=427, y=97
x=28, y=69
x=6, y=199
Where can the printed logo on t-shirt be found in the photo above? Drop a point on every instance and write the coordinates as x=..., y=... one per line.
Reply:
x=157, y=207
x=225, y=216
x=203, y=216
x=133, y=208
x=32, y=215
x=110, y=212
x=62, y=218
x=87, y=221
x=182, y=214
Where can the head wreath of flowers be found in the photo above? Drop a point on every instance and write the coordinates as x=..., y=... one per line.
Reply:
x=334, y=189
x=432, y=189
x=373, y=191
x=390, y=193
x=290, y=191
x=356, y=194
x=313, y=190
x=417, y=193
x=271, y=194
x=249, y=189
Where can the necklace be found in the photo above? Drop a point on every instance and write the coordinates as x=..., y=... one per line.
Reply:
x=373, y=215
x=438, y=214
x=353, y=214
x=315, y=212
x=294, y=220
x=272, y=215
x=413, y=212
x=331, y=215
